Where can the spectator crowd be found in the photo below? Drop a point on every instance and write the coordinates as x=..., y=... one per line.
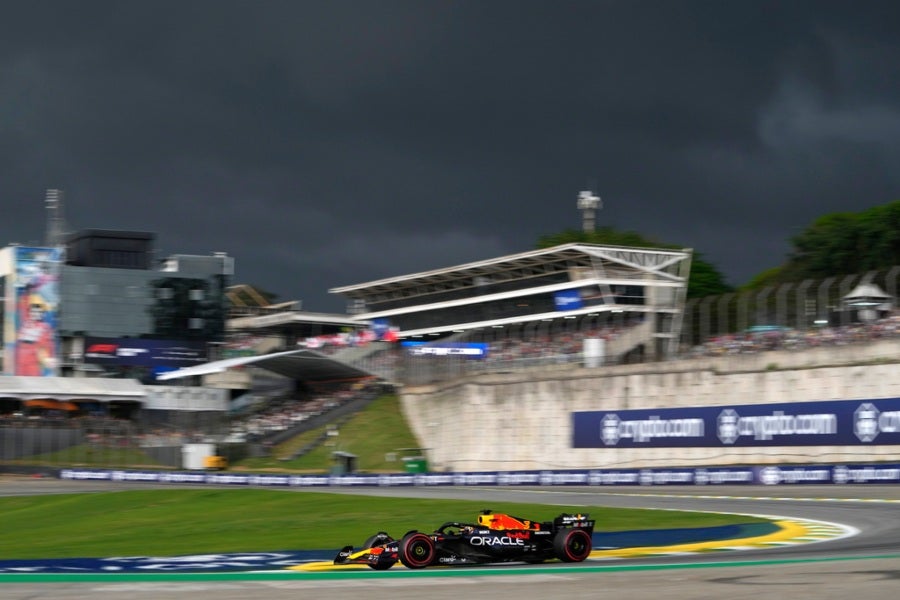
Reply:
x=784, y=338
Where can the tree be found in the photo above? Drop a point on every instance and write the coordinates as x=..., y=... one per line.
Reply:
x=704, y=280
x=767, y=278
x=829, y=246
x=842, y=243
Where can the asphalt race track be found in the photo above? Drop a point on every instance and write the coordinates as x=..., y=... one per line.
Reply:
x=862, y=566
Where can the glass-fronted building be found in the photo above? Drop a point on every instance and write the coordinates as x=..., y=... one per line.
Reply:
x=116, y=310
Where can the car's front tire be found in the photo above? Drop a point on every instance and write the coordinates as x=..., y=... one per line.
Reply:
x=417, y=550
x=572, y=545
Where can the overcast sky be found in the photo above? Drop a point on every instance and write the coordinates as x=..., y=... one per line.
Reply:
x=333, y=142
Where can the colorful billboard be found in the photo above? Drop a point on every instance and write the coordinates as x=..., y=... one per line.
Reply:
x=30, y=329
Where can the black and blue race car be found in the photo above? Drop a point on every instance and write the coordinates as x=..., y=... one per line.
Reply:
x=495, y=537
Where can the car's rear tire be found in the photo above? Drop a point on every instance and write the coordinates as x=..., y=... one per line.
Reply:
x=377, y=540
x=417, y=550
x=572, y=545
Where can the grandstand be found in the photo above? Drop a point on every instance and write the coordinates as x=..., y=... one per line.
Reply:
x=285, y=327
x=585, y=288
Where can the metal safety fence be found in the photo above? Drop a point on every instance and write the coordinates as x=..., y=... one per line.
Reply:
x=806, y=314
x=39, y=441
x=88, y=435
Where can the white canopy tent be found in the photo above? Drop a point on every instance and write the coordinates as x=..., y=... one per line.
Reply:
x=867, y=295
x=868, y=301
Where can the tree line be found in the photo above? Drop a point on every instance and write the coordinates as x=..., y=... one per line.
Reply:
x=833, y=244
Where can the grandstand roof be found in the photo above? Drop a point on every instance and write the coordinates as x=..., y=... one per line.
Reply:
x=71, y=388
x=661, y=263
x=303, y=324
x=303, y=365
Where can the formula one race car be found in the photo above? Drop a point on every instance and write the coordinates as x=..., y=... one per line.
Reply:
x=496, y=537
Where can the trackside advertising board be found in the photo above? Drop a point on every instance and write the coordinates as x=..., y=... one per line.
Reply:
x=827, y=423
x=762, y=475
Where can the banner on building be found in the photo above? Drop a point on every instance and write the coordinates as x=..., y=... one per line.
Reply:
x=465, y=349
x=30, y=328
x=568, y=300
x=136, y=352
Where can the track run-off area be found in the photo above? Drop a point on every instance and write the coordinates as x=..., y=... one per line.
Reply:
x=832, y=542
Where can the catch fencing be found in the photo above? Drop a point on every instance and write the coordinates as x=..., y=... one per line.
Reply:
x=36, y=442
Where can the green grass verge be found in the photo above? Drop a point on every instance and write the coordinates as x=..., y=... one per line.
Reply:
x=187, y=521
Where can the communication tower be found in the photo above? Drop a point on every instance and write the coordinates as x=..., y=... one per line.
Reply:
x=588, y=203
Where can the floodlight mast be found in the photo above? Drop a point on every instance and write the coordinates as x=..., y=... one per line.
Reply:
x=588, y=203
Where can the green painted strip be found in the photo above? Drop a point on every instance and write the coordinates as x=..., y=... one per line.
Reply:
x=400, y=573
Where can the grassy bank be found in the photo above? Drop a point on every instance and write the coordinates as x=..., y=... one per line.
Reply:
x=375, y=435
x=187, y=521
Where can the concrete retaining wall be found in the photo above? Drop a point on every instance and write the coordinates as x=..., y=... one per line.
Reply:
x=523, y=420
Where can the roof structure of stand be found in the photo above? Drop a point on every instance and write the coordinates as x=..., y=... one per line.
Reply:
x=614, y=262
x=524, y=288
x=303, y=365
x=71, y=388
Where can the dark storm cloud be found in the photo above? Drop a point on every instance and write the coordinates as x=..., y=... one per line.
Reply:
x=329, y=143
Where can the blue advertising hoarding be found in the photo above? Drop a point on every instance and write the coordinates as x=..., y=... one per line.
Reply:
x=840, y=474
x=135, y=352
x=467, y=349
x=826, y=423
x=568, y=300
